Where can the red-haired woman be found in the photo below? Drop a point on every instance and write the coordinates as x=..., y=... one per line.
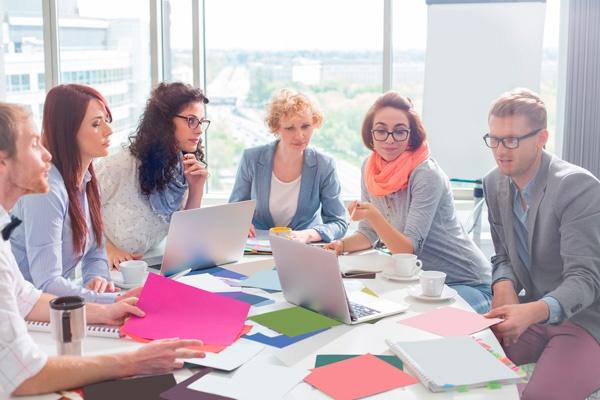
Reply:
x=63, y=228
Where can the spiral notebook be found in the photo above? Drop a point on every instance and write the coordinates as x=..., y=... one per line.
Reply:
x=92, y=330
x=435, y=362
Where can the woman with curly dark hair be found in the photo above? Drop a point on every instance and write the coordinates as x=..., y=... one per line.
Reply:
x=161, y=172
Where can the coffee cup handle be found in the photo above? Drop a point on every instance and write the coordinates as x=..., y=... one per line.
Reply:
x=418, y=266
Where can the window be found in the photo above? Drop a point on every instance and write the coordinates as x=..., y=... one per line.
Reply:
x=177, y=40
x=22, y=69
x=106, y=45
x=285, y=44
x=18, y=83
x=549, y=73
x=409, y=42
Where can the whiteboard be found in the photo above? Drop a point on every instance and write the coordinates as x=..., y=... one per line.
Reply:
x=475, y=52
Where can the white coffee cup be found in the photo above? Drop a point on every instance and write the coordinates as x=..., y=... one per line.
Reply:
x=133, y=271
x=406, y=264
x=432, y=283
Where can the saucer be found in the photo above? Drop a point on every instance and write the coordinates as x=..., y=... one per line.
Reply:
x=398, y=278
x=117, y=278
x=447, y=294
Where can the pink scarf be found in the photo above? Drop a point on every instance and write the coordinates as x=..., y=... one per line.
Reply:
x=384, y=178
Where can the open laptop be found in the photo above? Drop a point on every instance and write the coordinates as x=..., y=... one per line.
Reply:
x=205, y=237
x=310, y=277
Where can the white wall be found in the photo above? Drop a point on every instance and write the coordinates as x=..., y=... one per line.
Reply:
x=475, y=52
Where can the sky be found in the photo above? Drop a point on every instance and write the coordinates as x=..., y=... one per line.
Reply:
x=296, y=24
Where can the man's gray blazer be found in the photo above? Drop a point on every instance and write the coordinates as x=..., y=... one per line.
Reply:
x=564, y=239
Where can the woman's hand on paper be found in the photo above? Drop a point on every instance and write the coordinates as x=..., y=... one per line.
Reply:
x=517, y=318
x=99, y=284
x=162, y=356
x=305, y=236
x=252, y=231
x=336, y=245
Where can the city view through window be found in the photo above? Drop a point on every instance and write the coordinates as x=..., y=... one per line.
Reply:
x=250, y=53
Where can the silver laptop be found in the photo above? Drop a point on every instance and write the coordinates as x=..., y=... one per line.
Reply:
x=207, y=237
x=310, y=277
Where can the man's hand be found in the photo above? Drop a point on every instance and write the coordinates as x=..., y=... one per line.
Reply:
x=162, y=356
x=517, y=318
x=115, y=314
x=504, y=294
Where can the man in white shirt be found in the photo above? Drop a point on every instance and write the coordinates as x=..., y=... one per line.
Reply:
x=24, y=368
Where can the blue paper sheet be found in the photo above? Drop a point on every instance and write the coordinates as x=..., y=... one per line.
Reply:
x=280, y=341
x=218, y=271
x=263, y=280
x=251, y=299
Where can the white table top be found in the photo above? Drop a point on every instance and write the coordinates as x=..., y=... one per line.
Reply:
x=343, y=339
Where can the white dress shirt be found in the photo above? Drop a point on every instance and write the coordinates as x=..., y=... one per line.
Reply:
x=20, y=357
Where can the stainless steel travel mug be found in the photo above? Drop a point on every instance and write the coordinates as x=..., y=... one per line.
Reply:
x=67, y=322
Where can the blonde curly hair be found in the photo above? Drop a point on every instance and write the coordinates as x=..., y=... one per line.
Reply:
x=288, y=102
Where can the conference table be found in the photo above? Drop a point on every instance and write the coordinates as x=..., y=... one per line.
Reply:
x=342, y=339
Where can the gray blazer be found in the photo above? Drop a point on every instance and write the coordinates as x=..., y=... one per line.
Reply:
x=564, y=239
x=320, y=206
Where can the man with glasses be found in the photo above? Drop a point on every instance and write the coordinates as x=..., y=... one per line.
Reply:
x=544, y=217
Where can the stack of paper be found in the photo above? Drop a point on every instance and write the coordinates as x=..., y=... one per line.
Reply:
x=455, y=362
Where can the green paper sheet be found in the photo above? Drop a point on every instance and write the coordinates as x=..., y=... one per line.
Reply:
x=325, y=359
x=294, y=321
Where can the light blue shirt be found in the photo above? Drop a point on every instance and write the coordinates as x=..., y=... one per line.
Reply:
x=520, y=214
x=43, y=243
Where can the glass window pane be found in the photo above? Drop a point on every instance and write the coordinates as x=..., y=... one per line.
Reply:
x=177, y=40
x=410, y=40
x=106, y=45
x=549, y=73
x=290, y=44
x=22, y=78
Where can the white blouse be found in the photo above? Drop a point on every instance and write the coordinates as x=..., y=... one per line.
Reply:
x=129, y=221
x=283, y=200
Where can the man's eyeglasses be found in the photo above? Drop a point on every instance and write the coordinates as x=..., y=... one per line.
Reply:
x=508, y=142
x=193, y=122
x=399, y=135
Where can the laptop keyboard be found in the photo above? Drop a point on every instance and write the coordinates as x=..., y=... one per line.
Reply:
x=360, y=311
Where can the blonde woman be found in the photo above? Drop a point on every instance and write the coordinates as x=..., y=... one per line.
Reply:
x=293, y=184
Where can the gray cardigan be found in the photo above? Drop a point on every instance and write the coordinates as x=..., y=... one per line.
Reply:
x=564, y=239
x=425, y=213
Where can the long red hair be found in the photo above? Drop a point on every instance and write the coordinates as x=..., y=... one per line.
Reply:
x=64, y=110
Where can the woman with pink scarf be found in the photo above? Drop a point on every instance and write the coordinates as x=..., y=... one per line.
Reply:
x=407, y=204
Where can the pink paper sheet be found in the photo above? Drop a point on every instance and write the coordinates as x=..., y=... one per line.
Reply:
x=450, y=321
x=358, y=377
x=174, y=309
